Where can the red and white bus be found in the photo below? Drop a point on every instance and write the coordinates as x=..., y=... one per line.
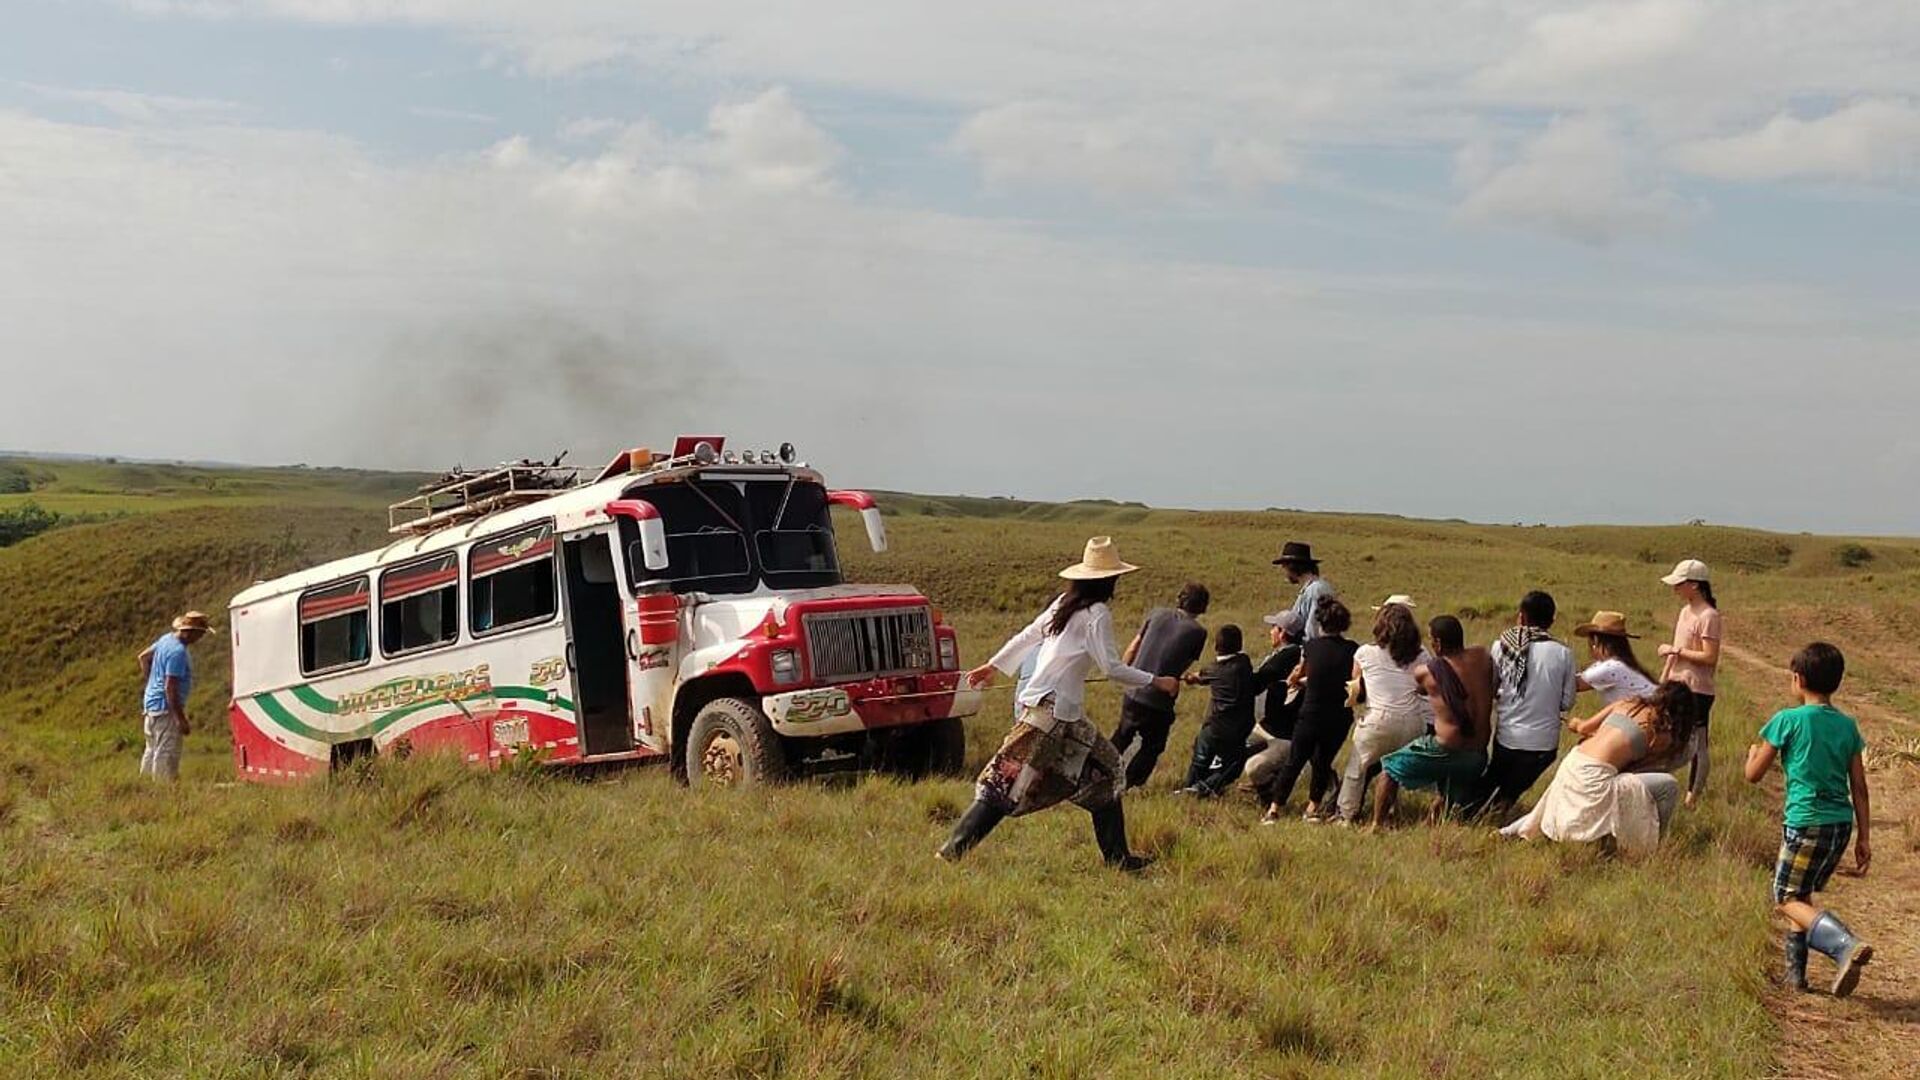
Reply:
x=688, y=606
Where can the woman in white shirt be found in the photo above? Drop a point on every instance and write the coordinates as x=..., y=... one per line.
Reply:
x=1397, y=711
x=1054, y=753
x=1615, y=673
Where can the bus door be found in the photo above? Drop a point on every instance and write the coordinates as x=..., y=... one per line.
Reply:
x=597, y=641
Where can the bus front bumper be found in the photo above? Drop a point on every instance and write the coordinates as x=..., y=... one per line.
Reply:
x=870, y=705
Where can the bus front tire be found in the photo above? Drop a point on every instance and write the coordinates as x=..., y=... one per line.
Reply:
x=732, y=744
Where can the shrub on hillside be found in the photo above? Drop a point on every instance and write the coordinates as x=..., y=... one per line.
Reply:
x=18, y=479
x=25, y=522
x=1852, y=556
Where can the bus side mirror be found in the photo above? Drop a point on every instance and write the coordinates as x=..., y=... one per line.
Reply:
x=653, y=531
x=869, y=515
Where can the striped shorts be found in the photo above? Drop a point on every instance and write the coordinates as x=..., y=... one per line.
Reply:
x=1808, y=856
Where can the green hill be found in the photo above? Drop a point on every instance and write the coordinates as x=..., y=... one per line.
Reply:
x=425, y=920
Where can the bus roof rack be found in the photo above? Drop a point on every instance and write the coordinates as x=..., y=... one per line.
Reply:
x=465, y=494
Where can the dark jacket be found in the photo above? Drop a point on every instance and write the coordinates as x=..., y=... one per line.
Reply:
x=1270, y=678
x=1230, y=711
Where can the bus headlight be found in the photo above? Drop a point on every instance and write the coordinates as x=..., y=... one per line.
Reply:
x=786, y=666
x=949, y=654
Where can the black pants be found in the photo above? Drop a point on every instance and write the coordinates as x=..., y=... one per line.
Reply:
x=1316, y=742
x=1509, y=774
x=1698, y=760
x=1150, y=726
x=1229, y=748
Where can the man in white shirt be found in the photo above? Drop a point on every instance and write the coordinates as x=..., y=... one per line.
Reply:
x=1537, y=687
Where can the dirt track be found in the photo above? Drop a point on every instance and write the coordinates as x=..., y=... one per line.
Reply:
x=1876, y=1032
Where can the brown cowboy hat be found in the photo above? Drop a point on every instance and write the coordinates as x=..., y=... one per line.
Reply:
x=193, y=620
x=1610, y=623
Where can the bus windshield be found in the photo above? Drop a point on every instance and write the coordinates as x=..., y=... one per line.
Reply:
x=731, y=536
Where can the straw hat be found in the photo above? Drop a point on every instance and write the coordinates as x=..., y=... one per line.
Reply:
x=1401, y=599
x=1611, y=623
x=1102, y=560
x=193, y=620
x=1688, y=570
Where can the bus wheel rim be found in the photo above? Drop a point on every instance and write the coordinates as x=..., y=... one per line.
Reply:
x=723, y=763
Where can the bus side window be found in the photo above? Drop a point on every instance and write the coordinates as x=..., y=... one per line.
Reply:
x=334, y=627
x=419, y=605
x=511, y=580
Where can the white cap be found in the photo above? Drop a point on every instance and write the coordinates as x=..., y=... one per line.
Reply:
x=1401, y=599
x=1688, y=570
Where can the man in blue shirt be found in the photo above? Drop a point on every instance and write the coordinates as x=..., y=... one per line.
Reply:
x=1302, y=569
x=169, y=676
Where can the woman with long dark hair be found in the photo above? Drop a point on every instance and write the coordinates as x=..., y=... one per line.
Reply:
x=1397, y=712
x=1054, y=753
x=1612, y=671
x=1694, y=659
x=1595, y=795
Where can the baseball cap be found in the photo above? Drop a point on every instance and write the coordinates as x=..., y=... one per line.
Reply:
x=1288, y=622
x=1688, y=570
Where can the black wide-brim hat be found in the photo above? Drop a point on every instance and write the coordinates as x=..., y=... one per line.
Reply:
x=1294, y=553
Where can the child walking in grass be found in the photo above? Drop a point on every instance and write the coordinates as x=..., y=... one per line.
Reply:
x=1819, y=748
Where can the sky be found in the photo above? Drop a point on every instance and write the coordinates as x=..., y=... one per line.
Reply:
x=1637, y=261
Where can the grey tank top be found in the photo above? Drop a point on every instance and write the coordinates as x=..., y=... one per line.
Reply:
x=1625, y=726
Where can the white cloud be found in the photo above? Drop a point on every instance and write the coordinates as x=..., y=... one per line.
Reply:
x=1248, y=164
x=1608, y=39
x=589, y=129
x=140, y=108
x=1577, y=179
x=462, y=116
x=768, y=141
x=1054, y=143
x=1874, y=140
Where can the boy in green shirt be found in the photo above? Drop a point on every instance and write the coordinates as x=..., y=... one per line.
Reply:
x=1819, y=750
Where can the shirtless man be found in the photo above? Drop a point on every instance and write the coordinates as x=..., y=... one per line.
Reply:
x=1460, y=682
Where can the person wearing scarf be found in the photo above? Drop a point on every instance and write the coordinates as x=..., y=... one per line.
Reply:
x=1538, y=684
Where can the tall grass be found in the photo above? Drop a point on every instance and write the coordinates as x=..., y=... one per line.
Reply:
x=423, y=919
x=415, y=918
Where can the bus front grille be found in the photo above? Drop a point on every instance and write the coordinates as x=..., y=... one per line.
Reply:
x=844, y=645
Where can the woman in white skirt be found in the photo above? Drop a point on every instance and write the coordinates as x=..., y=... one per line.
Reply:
x=1054, y=753
x=1594, y=795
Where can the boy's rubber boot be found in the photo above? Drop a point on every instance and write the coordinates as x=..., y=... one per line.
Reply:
x=1797, y=960
x=1831, y=937
x=972, y=827
x=1110, y=832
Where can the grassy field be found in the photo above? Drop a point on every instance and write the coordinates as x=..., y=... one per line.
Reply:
x=421, y=920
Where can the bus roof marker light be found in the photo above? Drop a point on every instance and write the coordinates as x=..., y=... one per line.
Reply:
x=705, y=454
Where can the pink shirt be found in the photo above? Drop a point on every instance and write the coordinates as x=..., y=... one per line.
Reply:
x=1691, y=632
